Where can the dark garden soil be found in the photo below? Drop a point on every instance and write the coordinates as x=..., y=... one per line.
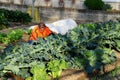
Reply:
x=69, y=74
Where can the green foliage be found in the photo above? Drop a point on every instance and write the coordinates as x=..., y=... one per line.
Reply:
x=18, y=16
x=118, y=19
x=88, y=46
x=12, y=36
x=107, y=7
x=3, y=21
x=94, y=43
x=15, y=35
x=25, y=55
x=15, y=16
x=2, y=35
x=110, y=33
x=117, y=44
x=90, y=26
x=115, y=72
x=108, y=56
x=39, y=72
x=94, y=4
x=55, y=68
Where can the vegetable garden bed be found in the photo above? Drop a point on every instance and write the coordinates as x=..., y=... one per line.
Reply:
x=90, y=47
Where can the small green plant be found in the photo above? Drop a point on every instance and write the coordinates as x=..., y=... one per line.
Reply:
x=1, y=47
x=2, y=35
x=39, y=73
x=15, y=35
x=55, y=68
x=3, y=21
x=115, y=72
x=107, y=7
x=12, y=36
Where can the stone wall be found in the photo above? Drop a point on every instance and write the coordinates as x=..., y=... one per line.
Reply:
x=53, y=14
x=50, y=14
x=114, y=5
x=13, y=7
x=78, y=4
x=53, y=3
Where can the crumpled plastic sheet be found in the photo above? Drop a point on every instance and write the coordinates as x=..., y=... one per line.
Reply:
x=61, y=26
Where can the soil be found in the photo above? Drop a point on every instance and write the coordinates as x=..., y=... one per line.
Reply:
x=72, y=74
